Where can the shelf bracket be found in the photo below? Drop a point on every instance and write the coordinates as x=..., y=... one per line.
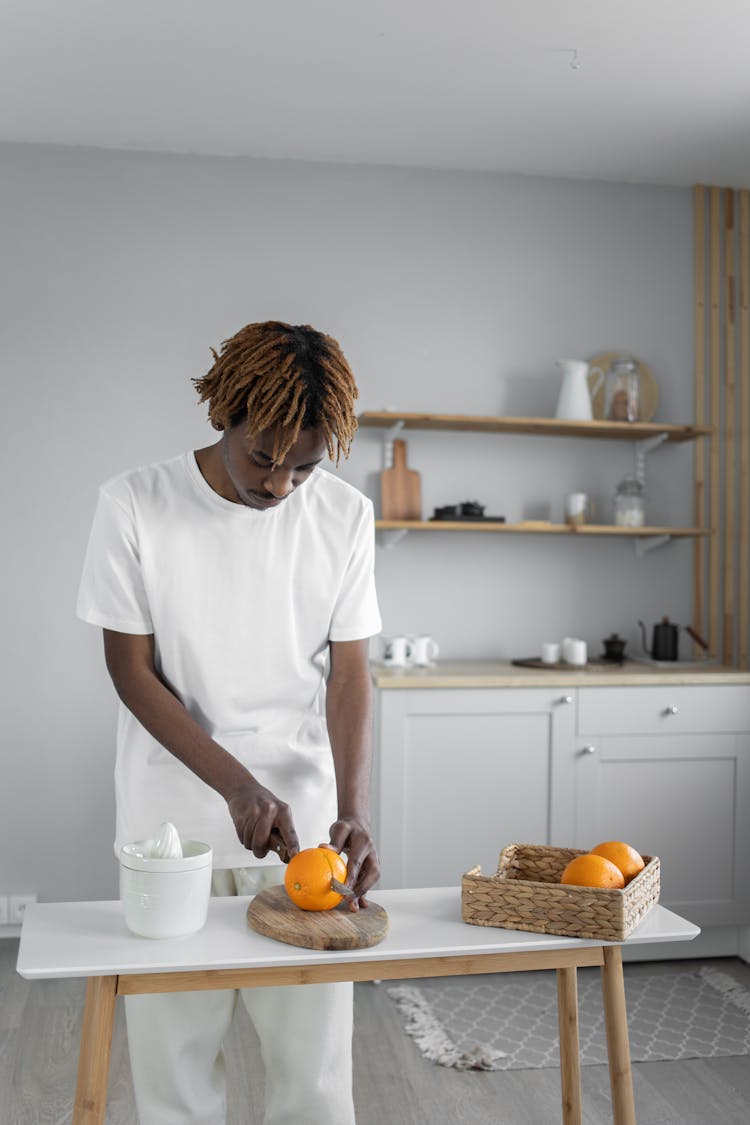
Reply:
x=642, y=449
x=644, y=544
x=389, y=539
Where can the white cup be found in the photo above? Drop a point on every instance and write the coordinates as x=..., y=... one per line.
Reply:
x=397, y=652
x=550, y=652
x=574, y=651
x=578, y=508
x=424, y=650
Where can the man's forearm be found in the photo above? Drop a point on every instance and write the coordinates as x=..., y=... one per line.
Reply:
x=349, y=717
x=349, y=714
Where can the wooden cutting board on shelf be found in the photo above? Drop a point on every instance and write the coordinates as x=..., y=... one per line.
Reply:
x=273, y=914
x=400, y=488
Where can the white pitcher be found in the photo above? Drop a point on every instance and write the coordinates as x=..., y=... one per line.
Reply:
x=575, y=395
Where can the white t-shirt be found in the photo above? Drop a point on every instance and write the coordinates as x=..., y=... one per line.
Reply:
x=242, y=605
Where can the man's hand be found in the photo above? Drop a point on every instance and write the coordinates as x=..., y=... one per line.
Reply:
x=263, y=823
x=351, y=834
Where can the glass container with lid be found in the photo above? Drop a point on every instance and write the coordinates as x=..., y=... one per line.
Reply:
x=630, y=503
x=622, y=391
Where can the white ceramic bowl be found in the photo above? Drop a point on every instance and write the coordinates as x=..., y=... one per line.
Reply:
x=165, y=898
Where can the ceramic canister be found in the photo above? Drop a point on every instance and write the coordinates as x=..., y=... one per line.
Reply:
x=165, y=897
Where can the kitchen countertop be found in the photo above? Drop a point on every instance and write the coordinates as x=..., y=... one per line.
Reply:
x=501, y=674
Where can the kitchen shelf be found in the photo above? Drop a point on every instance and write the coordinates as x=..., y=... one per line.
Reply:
x=541, y=427
x=539, y=527
x=645, y=538
x=647, y=436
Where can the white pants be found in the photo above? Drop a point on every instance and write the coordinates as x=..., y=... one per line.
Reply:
x=305, y=1032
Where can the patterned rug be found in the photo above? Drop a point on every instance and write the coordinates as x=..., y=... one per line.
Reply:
x=509, y=1021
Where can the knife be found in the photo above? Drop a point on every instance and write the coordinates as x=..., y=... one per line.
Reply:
x=340, y=889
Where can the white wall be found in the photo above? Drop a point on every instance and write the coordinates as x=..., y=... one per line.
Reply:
x=448, y=291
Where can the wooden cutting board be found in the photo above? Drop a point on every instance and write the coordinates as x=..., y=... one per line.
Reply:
x=273, y=914
x=400, y=488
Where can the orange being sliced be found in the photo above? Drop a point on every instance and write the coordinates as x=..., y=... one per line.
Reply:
x=308, y=878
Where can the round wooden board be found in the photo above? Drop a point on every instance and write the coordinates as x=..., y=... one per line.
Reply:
x=273, y=914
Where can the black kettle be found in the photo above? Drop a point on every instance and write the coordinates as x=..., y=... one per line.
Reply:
x=664, y=645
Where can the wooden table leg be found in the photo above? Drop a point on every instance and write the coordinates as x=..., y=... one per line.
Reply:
x=90, y=1103
x=618, y=1046
x=570, y=1063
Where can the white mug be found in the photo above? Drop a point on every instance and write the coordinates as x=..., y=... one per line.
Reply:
x=424, y=650
x=574, y=651
x=550, y=652
x=397, y=652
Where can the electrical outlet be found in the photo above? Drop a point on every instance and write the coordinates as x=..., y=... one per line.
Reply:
x=3, y=910
x=16, y=906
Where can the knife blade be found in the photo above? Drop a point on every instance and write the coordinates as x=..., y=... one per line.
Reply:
x=340, y=889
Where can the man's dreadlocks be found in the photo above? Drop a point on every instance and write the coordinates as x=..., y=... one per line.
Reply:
x=286, y=378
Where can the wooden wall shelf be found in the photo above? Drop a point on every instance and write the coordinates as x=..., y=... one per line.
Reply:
x=540, y=527
x=648, y=435
x=549, y=427
x=644, y=539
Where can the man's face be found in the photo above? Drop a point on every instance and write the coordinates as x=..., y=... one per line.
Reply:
x=249, y=465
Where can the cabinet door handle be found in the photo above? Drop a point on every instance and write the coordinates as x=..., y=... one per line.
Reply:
x=565, y=699
x=589, y=750
x=671, y=710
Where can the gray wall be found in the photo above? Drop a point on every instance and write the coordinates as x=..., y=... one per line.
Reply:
x=449, y=292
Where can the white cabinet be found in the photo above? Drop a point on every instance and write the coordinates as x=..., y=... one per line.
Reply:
x=668, y=770
x=461, y=773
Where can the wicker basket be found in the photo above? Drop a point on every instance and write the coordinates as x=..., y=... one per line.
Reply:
x=526, y=894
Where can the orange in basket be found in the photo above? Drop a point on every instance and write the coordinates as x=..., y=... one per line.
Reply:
x=623, y=856
x=592, y=871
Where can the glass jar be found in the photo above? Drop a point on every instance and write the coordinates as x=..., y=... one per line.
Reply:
x=622, y=391
x=630, y=503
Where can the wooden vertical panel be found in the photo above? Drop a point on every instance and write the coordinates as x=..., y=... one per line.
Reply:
x=714, y=341
x=728, y=618
x=743, y=626
x=699, y=502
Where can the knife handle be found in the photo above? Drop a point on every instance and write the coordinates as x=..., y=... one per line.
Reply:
x=276, y=844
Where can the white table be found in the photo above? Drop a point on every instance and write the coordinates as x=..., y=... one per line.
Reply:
x=427, y=939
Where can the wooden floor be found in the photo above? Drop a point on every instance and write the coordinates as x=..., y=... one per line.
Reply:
x=40, y=1026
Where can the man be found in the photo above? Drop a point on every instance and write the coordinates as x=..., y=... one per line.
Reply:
x=235, y=589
